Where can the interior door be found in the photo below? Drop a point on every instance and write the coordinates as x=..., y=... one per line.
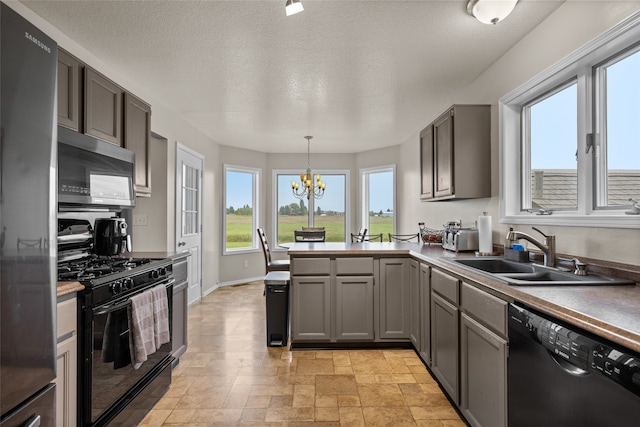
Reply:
x=189, y=168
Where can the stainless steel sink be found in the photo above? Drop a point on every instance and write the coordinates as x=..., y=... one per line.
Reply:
x=496, y=265
x=529, y=274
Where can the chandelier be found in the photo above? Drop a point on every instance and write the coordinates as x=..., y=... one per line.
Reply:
x=307, y=187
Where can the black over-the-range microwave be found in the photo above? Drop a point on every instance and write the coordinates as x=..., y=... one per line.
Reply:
x=93, y=174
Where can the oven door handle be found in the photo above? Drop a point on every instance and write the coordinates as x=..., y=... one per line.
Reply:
x=109, y=308
x=105, y=309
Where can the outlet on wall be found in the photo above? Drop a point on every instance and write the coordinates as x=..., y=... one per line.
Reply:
x=140, y=220
x=246, y=263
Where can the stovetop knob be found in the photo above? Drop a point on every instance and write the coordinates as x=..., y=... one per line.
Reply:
x=116, y=287
x=154, y=274
x=127, y=283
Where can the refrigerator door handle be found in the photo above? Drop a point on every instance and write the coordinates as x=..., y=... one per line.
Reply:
x=33, y=421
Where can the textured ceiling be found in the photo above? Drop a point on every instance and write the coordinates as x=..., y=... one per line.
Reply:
x=357, y=75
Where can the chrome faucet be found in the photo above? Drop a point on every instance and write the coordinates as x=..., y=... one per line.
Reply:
x=548, y=247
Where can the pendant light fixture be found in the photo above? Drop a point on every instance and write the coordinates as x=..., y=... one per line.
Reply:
x=292, y=7
x=490, y=11
x=309, y=186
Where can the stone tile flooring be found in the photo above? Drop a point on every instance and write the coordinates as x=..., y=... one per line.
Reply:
x=229, y=377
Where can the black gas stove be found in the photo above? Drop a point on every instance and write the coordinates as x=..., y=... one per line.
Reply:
x=108, y=278
x=112, y=391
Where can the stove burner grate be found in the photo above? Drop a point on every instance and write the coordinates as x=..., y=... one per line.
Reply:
x=87, y=269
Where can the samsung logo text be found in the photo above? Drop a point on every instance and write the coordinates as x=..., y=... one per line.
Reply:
x=37, y=42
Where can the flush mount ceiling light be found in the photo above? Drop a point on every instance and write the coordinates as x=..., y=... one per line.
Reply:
x=490, y=11
x=292, y=7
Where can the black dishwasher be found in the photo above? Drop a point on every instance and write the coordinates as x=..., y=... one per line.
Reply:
x=562, y=376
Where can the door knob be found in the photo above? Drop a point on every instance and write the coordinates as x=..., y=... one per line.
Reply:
x=181, y=244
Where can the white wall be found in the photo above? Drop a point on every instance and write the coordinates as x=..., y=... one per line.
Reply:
x=571, y=26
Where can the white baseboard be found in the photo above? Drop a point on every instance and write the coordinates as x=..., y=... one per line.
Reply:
x=238, y=282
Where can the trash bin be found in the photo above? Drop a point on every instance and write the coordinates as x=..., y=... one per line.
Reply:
x=276, y=284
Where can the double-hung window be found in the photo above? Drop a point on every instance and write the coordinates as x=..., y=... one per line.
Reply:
x=331, y=211
x=570, y=138
x=241, y=209
x=378, y=200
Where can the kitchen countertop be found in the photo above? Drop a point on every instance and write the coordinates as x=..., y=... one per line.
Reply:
x=66, y=288
x=608, y=311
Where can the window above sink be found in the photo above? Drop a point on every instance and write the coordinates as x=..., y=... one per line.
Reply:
x=570, y=141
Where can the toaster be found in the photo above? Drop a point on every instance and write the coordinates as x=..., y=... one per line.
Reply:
x=460, y=239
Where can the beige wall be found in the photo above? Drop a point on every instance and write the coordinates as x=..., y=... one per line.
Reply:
x=152, y=236
x=572, y=25
x=167, y=123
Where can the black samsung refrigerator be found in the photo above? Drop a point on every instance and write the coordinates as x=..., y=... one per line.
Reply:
x=28, y=73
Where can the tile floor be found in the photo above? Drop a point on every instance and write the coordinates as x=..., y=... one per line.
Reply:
x=229, y=377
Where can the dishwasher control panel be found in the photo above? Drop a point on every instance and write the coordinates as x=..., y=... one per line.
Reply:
x=580, y=352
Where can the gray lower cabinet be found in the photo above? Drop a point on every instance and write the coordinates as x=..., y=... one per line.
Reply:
x=425, y=313
x=444, y=344
x=180, y=307
x=354, y=308
x=445, y=322
x=311, y=308
x=394, y=299
x=483, y=374
x=483, y=357
x=414, y=282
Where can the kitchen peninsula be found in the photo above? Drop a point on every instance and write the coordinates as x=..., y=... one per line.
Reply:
x=458, y=320
x=608, y=311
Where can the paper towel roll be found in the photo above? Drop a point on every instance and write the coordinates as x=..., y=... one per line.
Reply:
x=485, y=239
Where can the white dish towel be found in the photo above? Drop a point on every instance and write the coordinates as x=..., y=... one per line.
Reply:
x=160, y=315
x=142, y=327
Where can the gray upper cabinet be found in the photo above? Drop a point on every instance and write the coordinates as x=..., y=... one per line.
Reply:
x=455, y=154
x=69, y=91
x=137, y=132
x=426, y=160
x=102, y=107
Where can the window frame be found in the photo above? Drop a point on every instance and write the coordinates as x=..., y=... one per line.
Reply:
x=296, y=172
x=526, y=198
x=601, y=170
x=579, y=65
x=255, y=198
x=364, y=188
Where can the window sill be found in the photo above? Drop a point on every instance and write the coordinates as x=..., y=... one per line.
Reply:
x=608, y=220
x=240, y=251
